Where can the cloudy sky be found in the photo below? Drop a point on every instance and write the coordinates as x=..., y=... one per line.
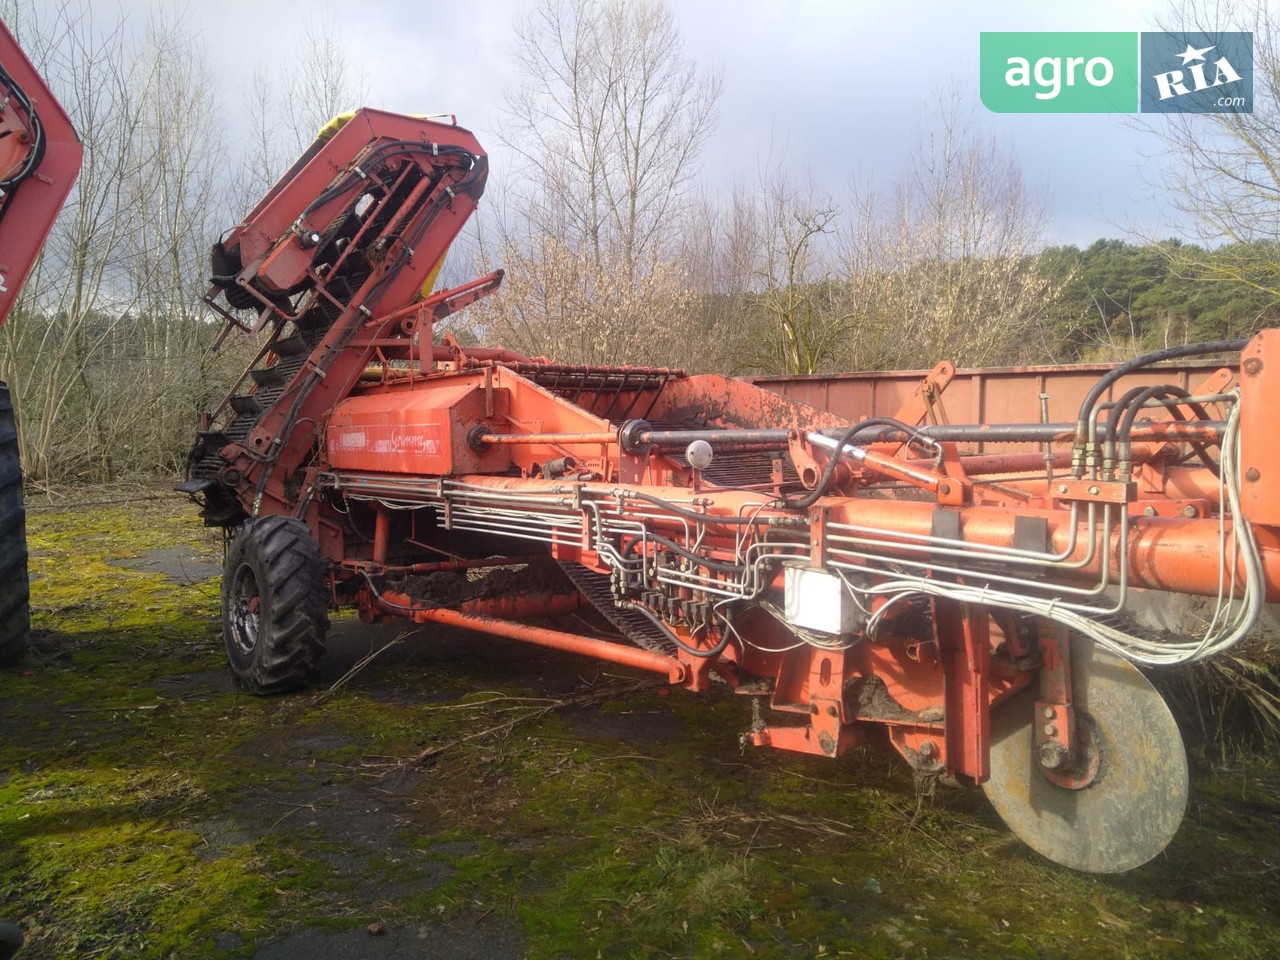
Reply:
x=841, y=87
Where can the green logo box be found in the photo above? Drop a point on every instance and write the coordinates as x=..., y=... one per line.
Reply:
x=1059, y=72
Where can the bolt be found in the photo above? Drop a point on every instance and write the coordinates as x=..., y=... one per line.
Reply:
x=1094, y=491
x=928, y=750
x=1148, y=511
x=1253, y=366
x=1050, y=729
x=832, y=712
x=1252, y=475
x=1049, y=713
x=1062, y=488
x=1188, y=511
x=1052, y=756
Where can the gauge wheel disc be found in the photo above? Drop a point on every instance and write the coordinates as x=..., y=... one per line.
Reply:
x=1134, y=805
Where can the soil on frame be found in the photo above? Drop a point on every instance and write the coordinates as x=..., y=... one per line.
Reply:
x=150, y=810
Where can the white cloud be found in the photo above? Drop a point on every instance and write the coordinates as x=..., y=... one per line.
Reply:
x=841, y=87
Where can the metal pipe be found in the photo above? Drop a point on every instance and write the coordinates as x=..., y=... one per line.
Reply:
x=439, y=565
x=514, y=606
x=1204, y=430
x=997, y=463
x=617, y=653
x=443, y=354
x=509, y=439
x=381, y=534
x=887, y=466
x=1165, y=553
x=682, y=438
x=1046, y=433
x=665, y=439
x=534, y=367
x=1048, y=444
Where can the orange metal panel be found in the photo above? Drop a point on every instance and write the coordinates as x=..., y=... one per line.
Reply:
x=980, y=395
x=422, y=431
x=726, y=402
x=1259, y=452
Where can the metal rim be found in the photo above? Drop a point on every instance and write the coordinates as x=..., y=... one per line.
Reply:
x=244, y=616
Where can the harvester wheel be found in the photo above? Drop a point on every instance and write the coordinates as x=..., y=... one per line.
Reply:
x=15, y=610
x=1132, y=807
x=274, y=605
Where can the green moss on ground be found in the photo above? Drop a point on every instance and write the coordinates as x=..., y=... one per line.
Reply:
x=147, y=810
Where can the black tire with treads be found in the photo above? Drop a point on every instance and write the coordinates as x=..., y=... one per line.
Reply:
x=15, y=602
x=274, y=605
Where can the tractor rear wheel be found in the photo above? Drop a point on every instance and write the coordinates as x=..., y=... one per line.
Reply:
x=15, y=609
x=274, y=605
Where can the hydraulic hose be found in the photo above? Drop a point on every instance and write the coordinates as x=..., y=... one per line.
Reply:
x=1158, y=392
x=820, y=489
x=1137, y=363
x=670, y=634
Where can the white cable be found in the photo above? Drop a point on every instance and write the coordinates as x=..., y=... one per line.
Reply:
x=1222, y=633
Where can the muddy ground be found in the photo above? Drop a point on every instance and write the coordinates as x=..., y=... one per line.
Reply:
x=460, y=796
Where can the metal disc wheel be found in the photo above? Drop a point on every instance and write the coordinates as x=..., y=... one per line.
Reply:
x=1135, y=803
x=15, y=610
x=274, y=605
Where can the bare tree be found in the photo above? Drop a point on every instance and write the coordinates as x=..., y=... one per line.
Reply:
x=720, y=240
x=285, y=112
x=107, y=348
x=1226, y=176
x=77, y=296
x=324, y=84
x=263, y=158
x=176, y=202
x=564, y=304
x=943, y=267
x=609, y=120
x=803, y=328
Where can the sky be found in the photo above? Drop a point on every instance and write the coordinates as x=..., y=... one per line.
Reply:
x=839, y=88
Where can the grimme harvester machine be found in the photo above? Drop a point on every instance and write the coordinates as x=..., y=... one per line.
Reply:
x=848, y=576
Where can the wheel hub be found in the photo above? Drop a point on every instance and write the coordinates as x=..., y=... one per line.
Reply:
x=246, y=607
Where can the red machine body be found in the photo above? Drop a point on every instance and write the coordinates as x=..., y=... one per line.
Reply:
x=39, y=160
x=955, y=584
x=40, y=154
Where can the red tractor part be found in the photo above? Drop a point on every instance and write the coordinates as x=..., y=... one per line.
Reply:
x=953, y=583
x=39, y=160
